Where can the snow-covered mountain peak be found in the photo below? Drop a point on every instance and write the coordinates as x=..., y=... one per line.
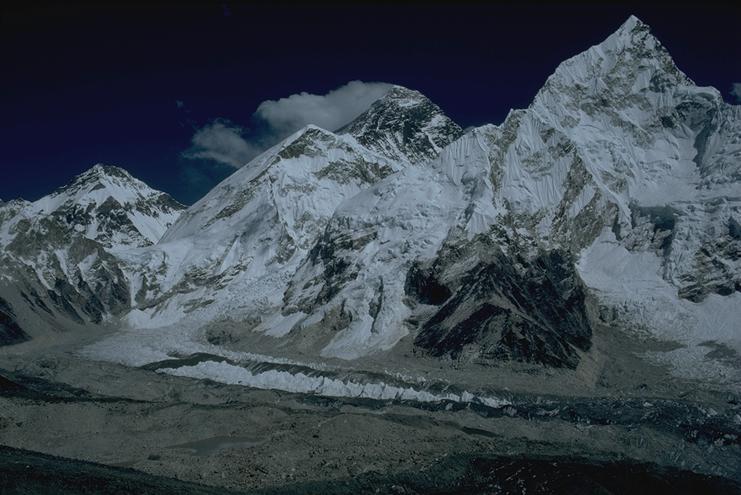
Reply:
x=101, y=170
x=285, y=176
x=404, y=97
x=633, y=33
x=94, y=185
x=404, y=125
x=100, y=182
x=105, y=204
x=634, y=37
x=629, y=62
x=631, y=26
x=59, y=254
x=626, y=95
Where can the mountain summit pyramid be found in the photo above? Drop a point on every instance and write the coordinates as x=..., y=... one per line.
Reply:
x=404, y=125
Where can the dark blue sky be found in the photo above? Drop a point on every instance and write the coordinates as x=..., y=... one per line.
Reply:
x=84, y=84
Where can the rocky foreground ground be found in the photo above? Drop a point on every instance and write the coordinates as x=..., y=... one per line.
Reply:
x=89, y=427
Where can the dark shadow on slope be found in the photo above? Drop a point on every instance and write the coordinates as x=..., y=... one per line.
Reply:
x=503, y=475
x=533, y=313
x=24, y=472
x=10, y=331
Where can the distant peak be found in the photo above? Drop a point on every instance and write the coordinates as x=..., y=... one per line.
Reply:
x=397, y=99
x=101, y=169
x=99, y=172
x=631, y=24
x=401, y=91
x=101, y=175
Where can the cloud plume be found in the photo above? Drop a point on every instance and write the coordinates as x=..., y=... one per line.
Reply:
x=736, y=91
x=225, y=142
x=330, y=111
x=221, y=141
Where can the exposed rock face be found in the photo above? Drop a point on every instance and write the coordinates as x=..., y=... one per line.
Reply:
x=404, y=125
x=505, y=307
x=10, y=331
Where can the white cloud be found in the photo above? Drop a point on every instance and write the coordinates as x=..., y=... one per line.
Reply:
x=736, y=91
x=222, y=141
x=330, y=111
x=225, y=142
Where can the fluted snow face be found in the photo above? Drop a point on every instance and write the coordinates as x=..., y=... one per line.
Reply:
x=636, y=135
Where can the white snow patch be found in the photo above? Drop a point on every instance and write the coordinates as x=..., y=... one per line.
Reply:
x=631, y=282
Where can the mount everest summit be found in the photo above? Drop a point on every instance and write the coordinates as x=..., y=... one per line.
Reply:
x=613, y=200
